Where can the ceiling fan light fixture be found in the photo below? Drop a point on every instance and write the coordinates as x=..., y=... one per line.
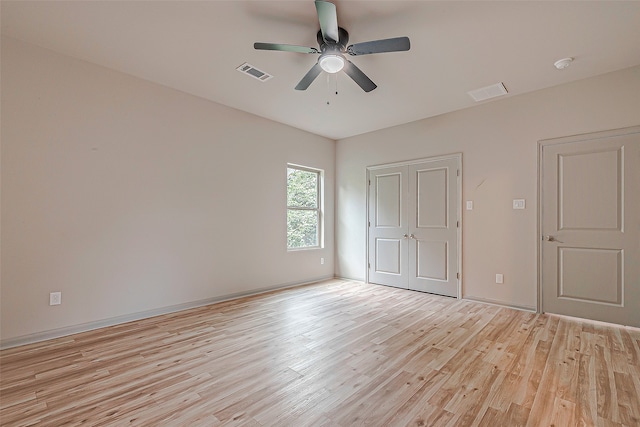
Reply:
x=331, y=63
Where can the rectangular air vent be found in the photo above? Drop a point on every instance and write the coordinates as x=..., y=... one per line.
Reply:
x=488, y=92
x=252, y=71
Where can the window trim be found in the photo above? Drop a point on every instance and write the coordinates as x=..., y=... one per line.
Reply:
x=319, y=207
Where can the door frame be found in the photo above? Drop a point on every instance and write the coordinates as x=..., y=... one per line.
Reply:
x=556, y=141
x=457, y=156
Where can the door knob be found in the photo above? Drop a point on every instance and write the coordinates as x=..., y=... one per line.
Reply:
x=411, y=236
x=550, y=239
x=405, y=235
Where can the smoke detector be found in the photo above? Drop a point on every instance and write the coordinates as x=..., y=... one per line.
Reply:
x=563, y=63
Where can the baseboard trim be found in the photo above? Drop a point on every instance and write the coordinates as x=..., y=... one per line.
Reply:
x=472, y=298
x=112, y=321
x=499, y=303
x=349, y=279
x=593, y=322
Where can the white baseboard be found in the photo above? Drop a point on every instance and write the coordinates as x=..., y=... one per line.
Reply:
x=594, y=322
x=350, y=279
x=499, y=303
x=84, y=327
x=474, y=299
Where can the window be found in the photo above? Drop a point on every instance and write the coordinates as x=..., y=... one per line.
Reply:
x=304, y=213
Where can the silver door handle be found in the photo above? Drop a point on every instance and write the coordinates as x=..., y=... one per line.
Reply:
x=411, y=236
x=405, y=235
x=550, y=239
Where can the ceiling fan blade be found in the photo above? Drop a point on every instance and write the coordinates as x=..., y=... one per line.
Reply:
x=328, y=18
x=358, y=76
x=396, y=44
x=309, y=77
x=285, y=47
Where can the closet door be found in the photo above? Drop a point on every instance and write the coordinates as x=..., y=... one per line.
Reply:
x=388, y=237
x=433, y=227
x=413, y=226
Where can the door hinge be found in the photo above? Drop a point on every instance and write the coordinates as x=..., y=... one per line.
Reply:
x=369, y=265
x=458, y=276
x=457, y=224
x=369, y=223
x=369, y=182
x=458, y=172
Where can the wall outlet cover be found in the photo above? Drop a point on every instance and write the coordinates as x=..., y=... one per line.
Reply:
x=55, y=298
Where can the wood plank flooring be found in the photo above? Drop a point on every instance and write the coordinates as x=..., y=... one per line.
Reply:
x=337, y=353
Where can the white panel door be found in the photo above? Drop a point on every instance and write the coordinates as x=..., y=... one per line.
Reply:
x=388, y=226
x=591, y=227
x=413, y=219
x=433, y=223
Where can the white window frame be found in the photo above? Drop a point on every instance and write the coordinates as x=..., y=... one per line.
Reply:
x=319, y=207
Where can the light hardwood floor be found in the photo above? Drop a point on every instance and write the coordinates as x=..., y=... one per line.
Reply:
x=336, y=353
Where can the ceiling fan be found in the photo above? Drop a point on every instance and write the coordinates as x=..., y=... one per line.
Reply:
x=333, y=47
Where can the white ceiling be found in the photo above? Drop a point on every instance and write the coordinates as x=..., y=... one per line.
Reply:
x=456, y=47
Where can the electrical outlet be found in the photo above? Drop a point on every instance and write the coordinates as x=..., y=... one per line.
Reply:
x=55, y=298
x=321, y=260
x=499, y=278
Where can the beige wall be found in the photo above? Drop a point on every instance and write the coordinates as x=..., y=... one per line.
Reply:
x=499, y=145
x=128, y=196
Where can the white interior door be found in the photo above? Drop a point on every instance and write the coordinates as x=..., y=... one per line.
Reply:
x=413, y=226
x=433, y=224
x=388, y=226
x=590, y=223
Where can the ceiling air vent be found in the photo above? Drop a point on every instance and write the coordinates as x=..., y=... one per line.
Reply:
x=252, y=71
x=488, y=92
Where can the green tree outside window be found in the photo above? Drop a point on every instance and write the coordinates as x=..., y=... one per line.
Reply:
x=303, y=208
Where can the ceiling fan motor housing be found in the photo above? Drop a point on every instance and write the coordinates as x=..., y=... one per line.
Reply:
x=340, y=45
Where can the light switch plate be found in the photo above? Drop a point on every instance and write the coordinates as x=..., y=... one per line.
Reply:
x=518, y=204
x=469, y=205
x=499, y=278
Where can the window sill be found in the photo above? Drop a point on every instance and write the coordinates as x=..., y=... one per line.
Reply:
x=310, y=248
